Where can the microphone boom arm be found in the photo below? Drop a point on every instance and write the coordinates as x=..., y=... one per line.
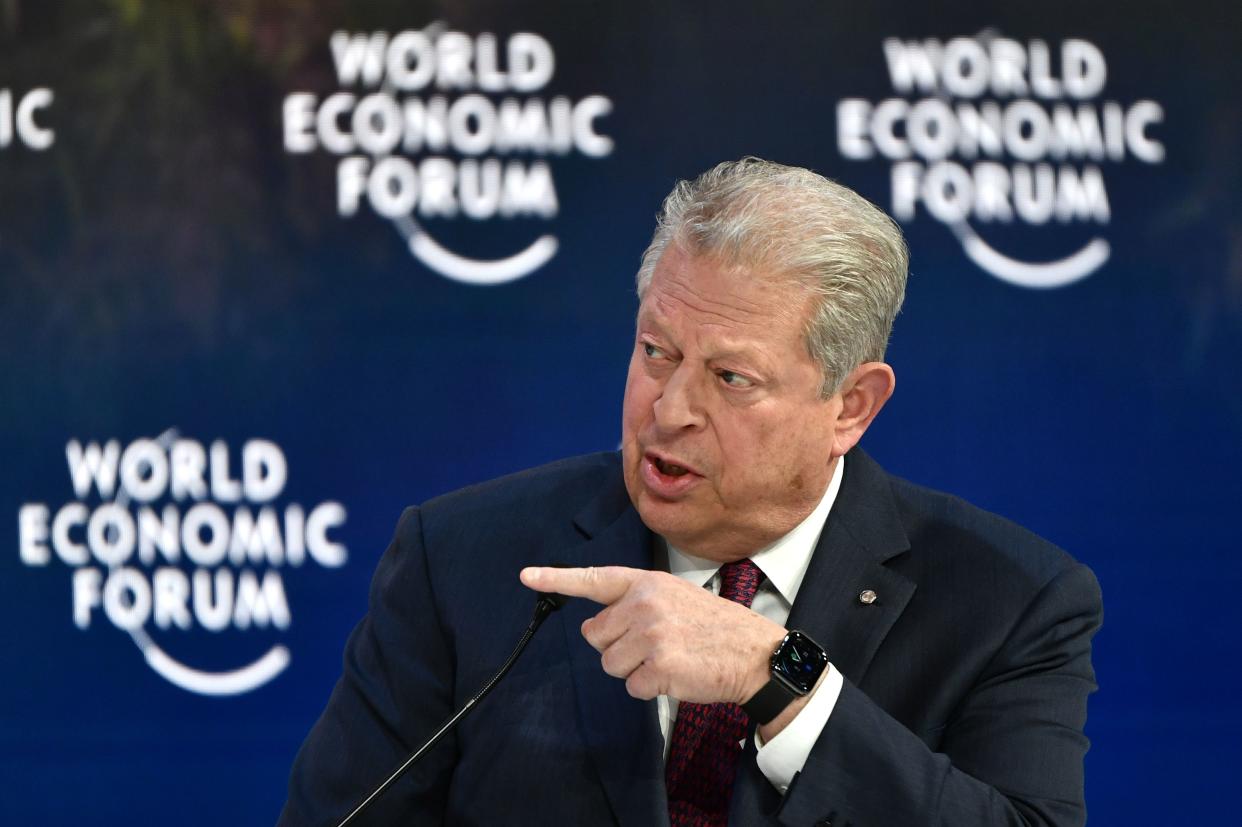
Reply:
x=544, y=606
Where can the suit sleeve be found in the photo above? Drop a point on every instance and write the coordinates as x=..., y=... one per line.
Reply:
x=396, y=688
x=1011, y=755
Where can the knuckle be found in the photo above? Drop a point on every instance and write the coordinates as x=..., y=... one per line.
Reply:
x=661, y=658
x=654, y=635
x=665, y=578
x=589, y=631
x=648, y=599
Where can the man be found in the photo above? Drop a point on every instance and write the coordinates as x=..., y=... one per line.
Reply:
x=932, y=661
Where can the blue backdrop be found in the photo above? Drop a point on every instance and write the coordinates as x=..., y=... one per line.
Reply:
x=262, y=226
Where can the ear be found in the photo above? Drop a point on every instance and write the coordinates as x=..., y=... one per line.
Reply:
x=863, y=394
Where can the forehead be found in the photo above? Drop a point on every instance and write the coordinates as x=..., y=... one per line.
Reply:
x=724, y=301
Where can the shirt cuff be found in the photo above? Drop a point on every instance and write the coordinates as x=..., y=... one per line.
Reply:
x=784, y=756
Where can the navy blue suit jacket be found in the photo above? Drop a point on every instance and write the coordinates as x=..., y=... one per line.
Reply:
x=965, y=691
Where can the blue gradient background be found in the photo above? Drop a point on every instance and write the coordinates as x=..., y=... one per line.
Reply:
x=166, y=264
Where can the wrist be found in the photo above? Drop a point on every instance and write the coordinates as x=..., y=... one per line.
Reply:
x=759, y=671
x=773, y=727
x=795, y=668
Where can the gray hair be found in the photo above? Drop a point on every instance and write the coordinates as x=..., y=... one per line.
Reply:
x=789, y=221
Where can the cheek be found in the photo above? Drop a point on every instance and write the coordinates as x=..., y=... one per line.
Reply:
x=770, y=454
x=747, y=450
x=806, y=452
x=640, y=395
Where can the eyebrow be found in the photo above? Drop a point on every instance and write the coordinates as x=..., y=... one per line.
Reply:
x=751, y=357
x=750, y=360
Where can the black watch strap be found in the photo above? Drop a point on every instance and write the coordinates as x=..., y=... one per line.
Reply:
x=796, y=667
x=769, y=702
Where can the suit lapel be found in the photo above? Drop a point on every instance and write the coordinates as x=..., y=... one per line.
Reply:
x=622, y=734
x=863, y=531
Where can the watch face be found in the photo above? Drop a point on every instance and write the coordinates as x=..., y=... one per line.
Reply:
x=799, y=661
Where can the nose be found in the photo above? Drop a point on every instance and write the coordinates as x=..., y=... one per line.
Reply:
x=680, y=404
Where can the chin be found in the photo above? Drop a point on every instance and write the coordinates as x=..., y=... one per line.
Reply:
x=671, y=522
x=658, y=515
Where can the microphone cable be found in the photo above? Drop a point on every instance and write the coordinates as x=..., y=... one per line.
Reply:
x=545, y=605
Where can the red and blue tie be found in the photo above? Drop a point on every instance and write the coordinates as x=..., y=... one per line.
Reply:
x=702, y=759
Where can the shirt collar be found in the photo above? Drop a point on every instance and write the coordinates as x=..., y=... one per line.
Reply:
x=784, y=562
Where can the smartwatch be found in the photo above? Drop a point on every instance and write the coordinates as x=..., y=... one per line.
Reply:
x=796, y=666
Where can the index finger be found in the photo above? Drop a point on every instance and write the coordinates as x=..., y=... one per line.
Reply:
x=603, y=584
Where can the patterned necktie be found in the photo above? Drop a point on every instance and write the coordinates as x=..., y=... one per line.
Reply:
x=702, y=760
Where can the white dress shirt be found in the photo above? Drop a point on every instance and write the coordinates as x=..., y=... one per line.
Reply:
x=783, y=564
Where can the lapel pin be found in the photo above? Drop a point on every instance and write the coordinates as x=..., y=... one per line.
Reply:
x=866, y=597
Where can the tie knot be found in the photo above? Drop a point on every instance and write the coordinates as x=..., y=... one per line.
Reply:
x=739, y=581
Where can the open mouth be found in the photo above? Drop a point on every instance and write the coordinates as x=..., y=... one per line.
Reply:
x=669, y=468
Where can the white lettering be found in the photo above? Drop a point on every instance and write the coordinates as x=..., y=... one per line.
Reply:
x=163, y=533
x=92, y=464
x=31, y=134
x=377, y=124
x=1034, y=193
x=328, y=123
x=260, y=604
x=1138, y=118
x=295, y=536
x=1076, y=134
x=111, y=535
x=208, y=517
x=127, y=598
x=325, y=516
x=223, y=488
x=586, y=139
x=852, y=117
x=1026, y=129
x=1083, y=69
x=298, y=116
x=32, y=534
x=411, y=60
x=69, y=551
x=932, y=129
x=256, y=540
x=965, y=68
x=86, y=583
x=913, y=65
x=531, y=62
x=905, y=184
x=883, y=121
x=359, y=57
x=213, y=614
x=188, y=463
x=144, y=470
x=171, y=589
x=1082, y=196
x=992, y=192
x=264, y=470
x=392, y=187
x=351, y=182
x=395, y=186
x=1043, y=84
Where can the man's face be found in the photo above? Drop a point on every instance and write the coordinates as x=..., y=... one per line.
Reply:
x=726, y=440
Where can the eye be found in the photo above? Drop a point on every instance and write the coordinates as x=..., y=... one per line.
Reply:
x=651, y=351
x=735, y=380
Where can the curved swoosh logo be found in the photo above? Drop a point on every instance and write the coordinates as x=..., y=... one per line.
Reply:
x=234, y=682
x=1041, y=276
x=474, y=271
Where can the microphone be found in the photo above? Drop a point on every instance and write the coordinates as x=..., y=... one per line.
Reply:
x=545, y=604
